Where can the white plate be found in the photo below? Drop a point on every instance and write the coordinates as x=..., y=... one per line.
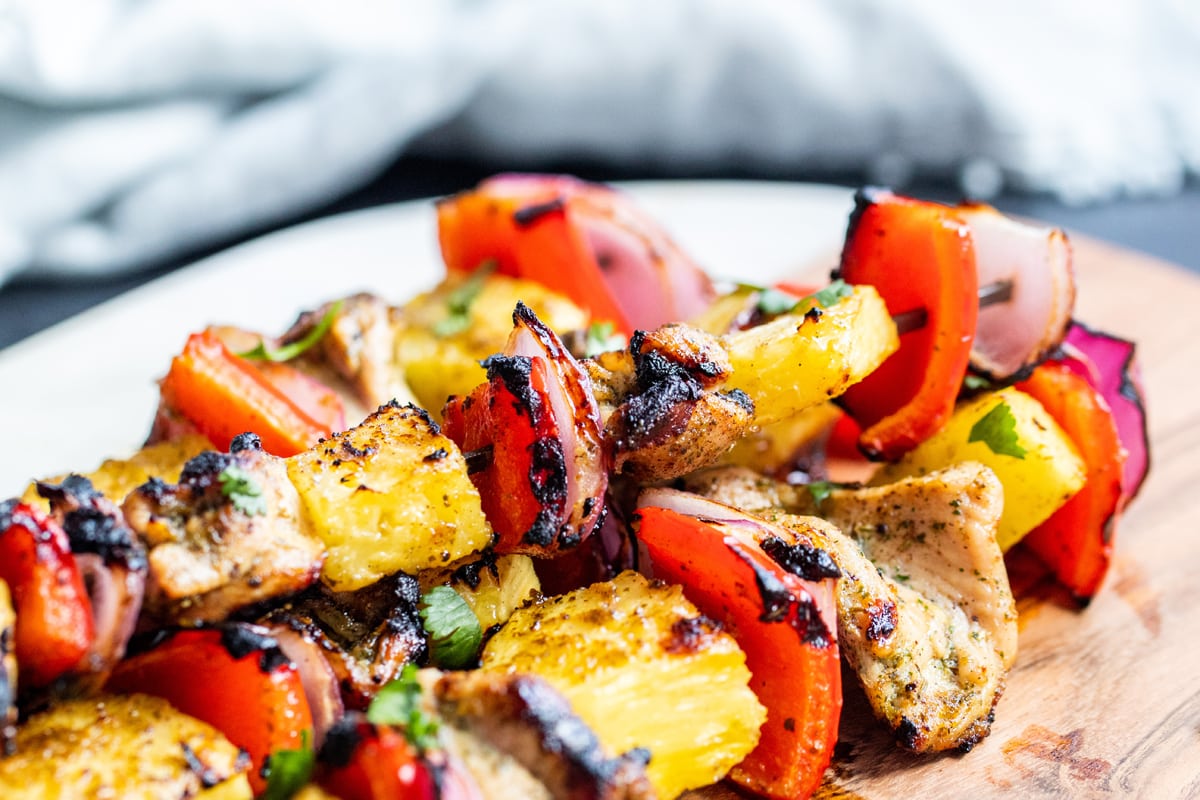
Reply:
x=85, y=389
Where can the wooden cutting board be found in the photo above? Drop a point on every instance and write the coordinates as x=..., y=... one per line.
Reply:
x=1104, y=701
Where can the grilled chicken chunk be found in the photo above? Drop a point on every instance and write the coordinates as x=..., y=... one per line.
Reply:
x=228, y=535
x=665, y=415
x=367, y=636
x=134, y=746
x=359, y=348
x=926, y=617
x=523, y=717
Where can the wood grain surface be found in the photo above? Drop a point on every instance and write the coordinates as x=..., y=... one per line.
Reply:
x=1105, y=701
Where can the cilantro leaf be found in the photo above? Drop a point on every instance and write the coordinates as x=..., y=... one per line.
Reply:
x=602, y=337
x=454, y=630
x=242, y=490
x=820, y=490
x=460, y=300
x=998, y=430
x=290, y=351
x=832, y=294
x=772, y=302
x=399, y=703
x=288, y=771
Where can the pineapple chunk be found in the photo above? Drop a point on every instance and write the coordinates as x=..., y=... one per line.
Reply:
x=493, y=587
x=134, y=746
x=438, y=363
x=643, y=668
x=797, y=361
x=773, y=448
x=390, y=494
x=1035, y=484
x=117, y=477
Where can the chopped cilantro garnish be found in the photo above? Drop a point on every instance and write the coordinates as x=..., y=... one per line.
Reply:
x=832, y=294
x=288, y=771
x=820, y=490
x=290, y=351
x=242, y=490
x=602, y=337
x=460, y=299
x=399, y=703
x=998, y=430
x=454, y=630
x=772, y=302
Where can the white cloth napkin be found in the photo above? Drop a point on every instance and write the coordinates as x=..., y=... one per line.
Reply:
x=131, y=130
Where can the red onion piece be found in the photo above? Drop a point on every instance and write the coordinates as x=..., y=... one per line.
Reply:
x=1109, y=364
x=116, y=594
x=1036, y=264
x=316, y=676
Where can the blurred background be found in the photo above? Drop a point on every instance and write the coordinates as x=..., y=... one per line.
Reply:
x=139, y=135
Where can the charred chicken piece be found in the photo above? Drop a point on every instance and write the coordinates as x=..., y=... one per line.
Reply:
x=358, y=348
x=366, y=636
x=926, y=617
x=526, y=719
x=227, y=536
x=666, y=414
x=113, y=563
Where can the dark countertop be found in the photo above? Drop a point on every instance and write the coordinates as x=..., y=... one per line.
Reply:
x=1168, y=228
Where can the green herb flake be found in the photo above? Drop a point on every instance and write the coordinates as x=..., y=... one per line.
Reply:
x=454, y=631
x=460, y=300
x=602, y=337
x=242, y=490
x=290, y=351
x=772, y=302
x=977, y=383
x=289, y=771
x=820, y=490
x=998, y=430
x=832, y=294
x=399, y=703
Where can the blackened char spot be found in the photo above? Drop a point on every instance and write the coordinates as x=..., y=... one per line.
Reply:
x=881, y=620
x=802, y=560
x=245, y=441
x=469, y=574
x=530, y=214
x=436, y=455
x=241, y=640
x=691, y=635
x=341, y=740
x=515, y=372
x=202, y=470
x=864, y=198
x=208, y=777
x=775, y=596
x=94, y=531
x=907, y=734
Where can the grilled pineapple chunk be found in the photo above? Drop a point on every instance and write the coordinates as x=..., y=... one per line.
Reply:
x=117, y=477
x=798, y=360
x=390, y=494
x=643, y=668
x=493, y=587
x=1036, y=483
x=133, y=746
x=440, y=351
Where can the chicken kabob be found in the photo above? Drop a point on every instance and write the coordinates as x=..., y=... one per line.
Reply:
x=212, y=559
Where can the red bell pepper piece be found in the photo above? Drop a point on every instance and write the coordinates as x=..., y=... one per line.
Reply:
x=920, y=258
x=542, y=485
x=223, y=395
x=374, y=762
x=322, y=404
x=782, y=623
x=54, y=614
x=582, y=240
x=1076, y=541
x=233, y=677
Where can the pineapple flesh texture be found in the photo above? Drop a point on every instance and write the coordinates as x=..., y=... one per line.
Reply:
x=440, y=359
x=799, y=360
x=644, y=669
x=1035, y=484
x=389, y=494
